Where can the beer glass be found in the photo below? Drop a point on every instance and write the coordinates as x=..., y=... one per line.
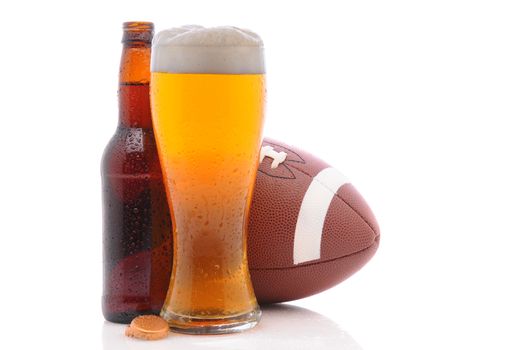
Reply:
x=207, y=94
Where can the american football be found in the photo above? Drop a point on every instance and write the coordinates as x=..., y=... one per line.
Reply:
x=309, y=228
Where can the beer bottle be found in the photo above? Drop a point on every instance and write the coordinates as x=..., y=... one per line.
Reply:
x=137, y=237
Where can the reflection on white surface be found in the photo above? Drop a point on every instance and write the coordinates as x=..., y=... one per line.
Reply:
x=282, y=327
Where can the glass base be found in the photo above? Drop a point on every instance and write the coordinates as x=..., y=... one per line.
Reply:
x=196, y=325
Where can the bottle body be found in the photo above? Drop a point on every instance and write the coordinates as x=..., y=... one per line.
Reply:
x=137, y=230
x=137, y=244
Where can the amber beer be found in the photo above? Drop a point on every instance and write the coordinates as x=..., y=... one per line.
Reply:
x=208, y=105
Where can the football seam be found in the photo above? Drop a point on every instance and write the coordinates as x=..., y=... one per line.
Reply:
x=374, y=243
x=280, y=177
x=342, y=199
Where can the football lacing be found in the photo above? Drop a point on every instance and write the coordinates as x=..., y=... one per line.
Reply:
x=277, y=157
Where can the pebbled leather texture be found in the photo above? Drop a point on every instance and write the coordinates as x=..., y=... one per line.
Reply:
x=350, y=236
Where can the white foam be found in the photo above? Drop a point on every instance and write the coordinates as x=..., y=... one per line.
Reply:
x=216, y=50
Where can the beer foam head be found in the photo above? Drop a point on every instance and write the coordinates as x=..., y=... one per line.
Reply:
x=217, y=50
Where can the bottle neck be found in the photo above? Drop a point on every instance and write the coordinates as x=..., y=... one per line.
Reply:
x=134, y=84
x=134, y=105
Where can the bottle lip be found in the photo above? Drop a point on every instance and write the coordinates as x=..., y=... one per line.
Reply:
x=138, y=26
x=138, y=31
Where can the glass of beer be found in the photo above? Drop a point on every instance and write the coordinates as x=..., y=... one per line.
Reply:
x=208, y=95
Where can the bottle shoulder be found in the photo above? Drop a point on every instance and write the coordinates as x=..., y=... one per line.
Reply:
x=131, y=151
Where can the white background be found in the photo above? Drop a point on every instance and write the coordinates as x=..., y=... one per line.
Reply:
x=421, y=103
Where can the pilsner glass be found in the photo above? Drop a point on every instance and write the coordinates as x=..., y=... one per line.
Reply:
x=207, y=94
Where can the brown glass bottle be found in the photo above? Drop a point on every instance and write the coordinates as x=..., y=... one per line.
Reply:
x=137, y=231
